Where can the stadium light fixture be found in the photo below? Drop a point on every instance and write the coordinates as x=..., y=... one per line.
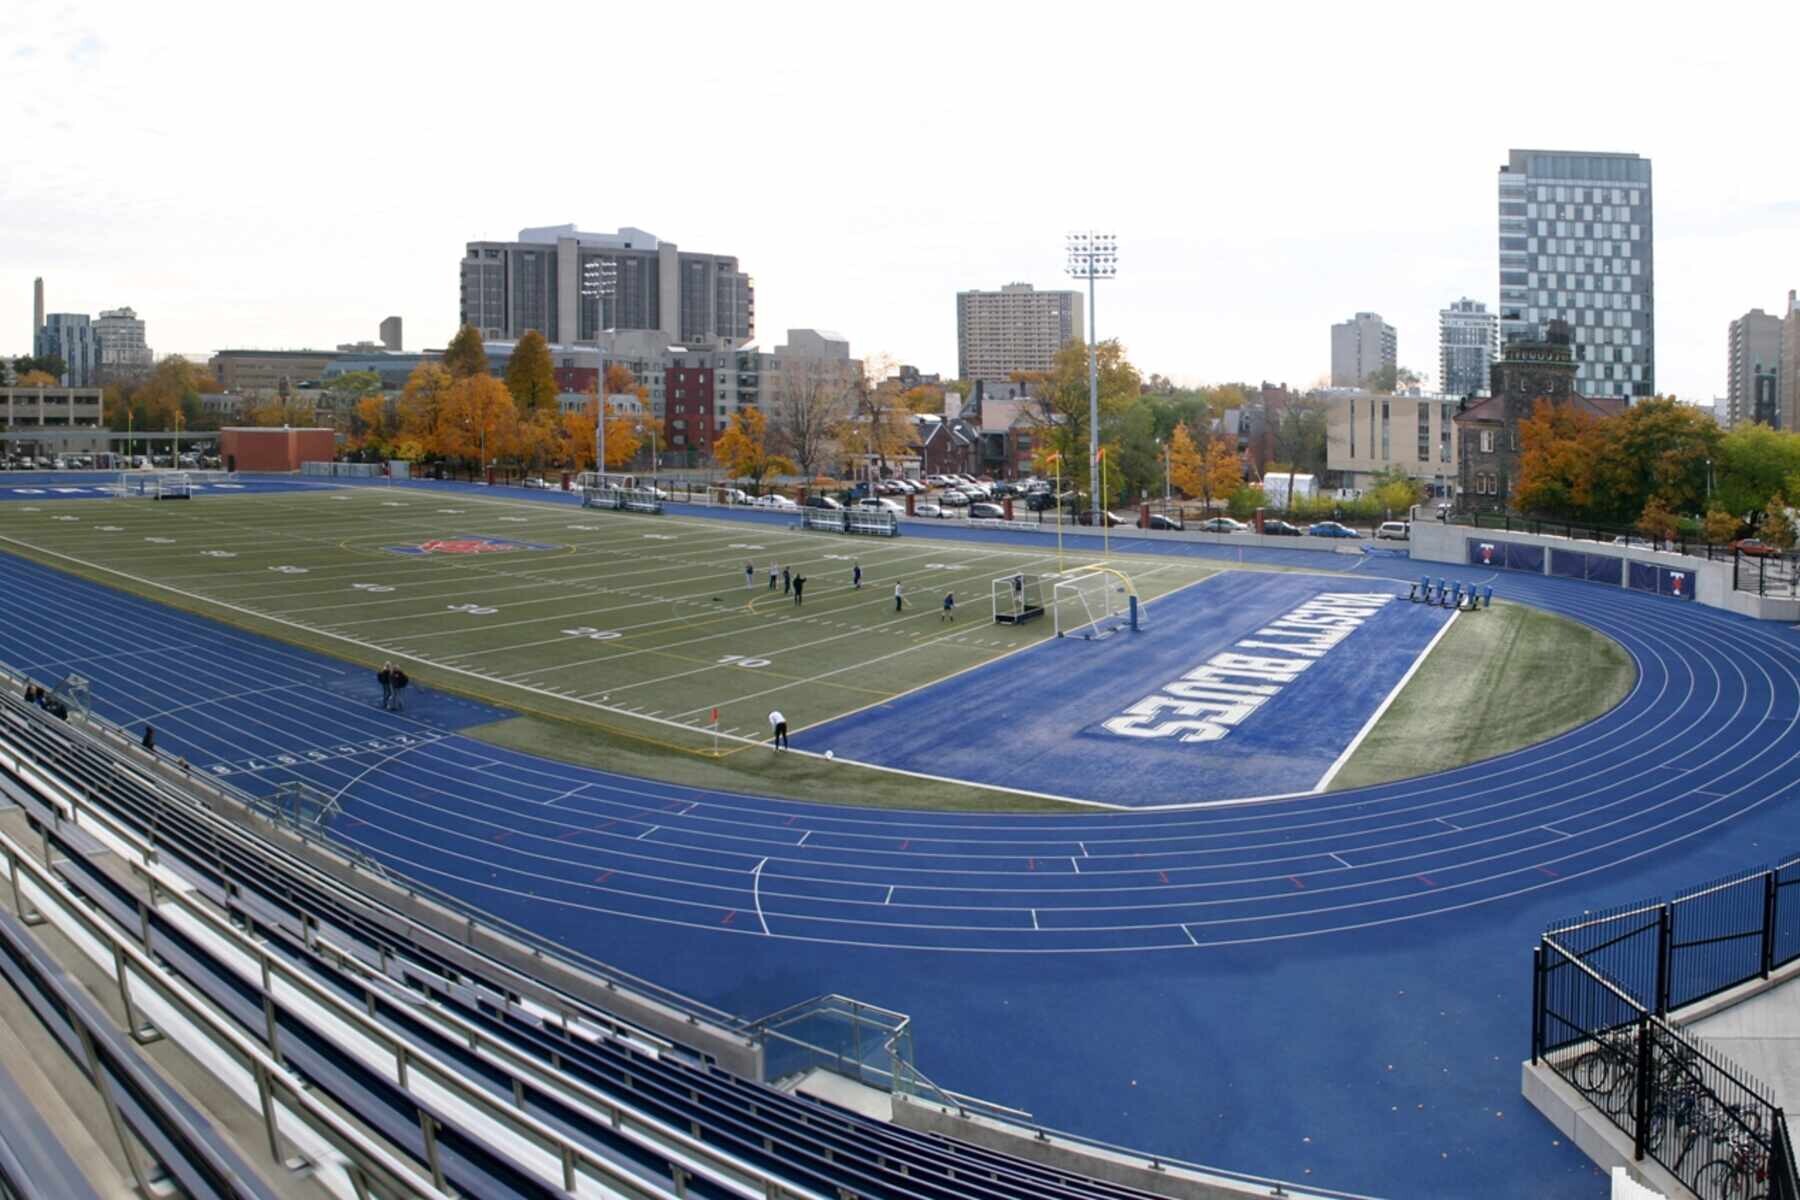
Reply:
x=599, y=280
x=1093, y=257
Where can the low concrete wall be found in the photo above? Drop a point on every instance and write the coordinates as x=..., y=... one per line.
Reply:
x=1441, y=543
x=1590, y=1130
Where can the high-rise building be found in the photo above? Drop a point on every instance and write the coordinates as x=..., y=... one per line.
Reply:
x=70, y=337
x=123, y=349
x=1017, y=328
x=1466, y=339
x=37, y=307
x=1576, y=245
x=1790, y=364
x=571, y=285
x=390, y=334
x=1753, y=373
x=1361, y=346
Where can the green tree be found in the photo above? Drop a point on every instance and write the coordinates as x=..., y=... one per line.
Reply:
x=1754, y=463
x=1391, y=379
x=1058, y=406
x=1655, y=450
x=344, y=394
x=466, y=356
x=1134, y=468
x=531, y=376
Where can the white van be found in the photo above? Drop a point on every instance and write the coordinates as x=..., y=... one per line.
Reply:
x=1398, y=530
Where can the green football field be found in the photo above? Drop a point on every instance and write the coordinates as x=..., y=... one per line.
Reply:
x=636, y=623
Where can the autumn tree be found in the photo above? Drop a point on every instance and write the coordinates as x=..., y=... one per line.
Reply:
x=1187, y=463
x=37, y=379
x=1557, y=444
x=1720, y=526
x=420, y=401
x=622, y=441
x=1656, y=521
x=466, y=356
x=1057, y=408
x=477, y=419
x=1777, y=528
x=881, y=423
x=743, y=449
x=343, y=395
x=807, y=407
x=531, y=376
x=373, y=425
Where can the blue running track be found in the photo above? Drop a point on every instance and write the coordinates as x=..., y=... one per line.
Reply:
x=1332, y=988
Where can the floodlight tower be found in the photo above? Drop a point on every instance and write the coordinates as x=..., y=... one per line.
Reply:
x=1093, y=256
x=599, y=280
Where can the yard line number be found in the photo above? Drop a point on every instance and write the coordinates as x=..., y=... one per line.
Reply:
x=474, y=610
x=592, y=634
x=738, y=660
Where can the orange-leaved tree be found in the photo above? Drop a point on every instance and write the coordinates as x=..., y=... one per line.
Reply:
x=477, y=419
x=743, y=449
x=1186, y=463
x=1557, y=446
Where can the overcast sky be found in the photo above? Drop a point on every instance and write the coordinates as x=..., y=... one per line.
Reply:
x=243, y=180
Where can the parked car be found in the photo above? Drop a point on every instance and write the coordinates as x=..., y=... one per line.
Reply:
x=1165, y=521
x=1094, y=517
x=536, y=481
x=731, y=495
x=1399, y=531
x=1755, y=547
x=952, y=498
x=1222, y=525
x=1039, y=501
x=774, y=500
x=1331, y=529
x=880, y=504
x=1277, y=528
x=928, y=508
x=986, y=510
x=823, y=502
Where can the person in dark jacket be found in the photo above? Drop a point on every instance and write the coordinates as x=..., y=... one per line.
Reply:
x=799, y=584
x=386, y=677
x=150, y=738
x=399, y=681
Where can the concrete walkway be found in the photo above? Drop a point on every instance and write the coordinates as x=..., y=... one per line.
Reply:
x=1761, y=1034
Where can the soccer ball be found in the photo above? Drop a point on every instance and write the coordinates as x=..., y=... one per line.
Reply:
x=829, y=754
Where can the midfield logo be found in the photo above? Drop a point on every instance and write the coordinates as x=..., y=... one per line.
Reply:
x=464, y=543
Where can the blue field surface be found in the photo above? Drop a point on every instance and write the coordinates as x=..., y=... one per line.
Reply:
x=104, y=485
x=1039, y=720
x=1334, y=989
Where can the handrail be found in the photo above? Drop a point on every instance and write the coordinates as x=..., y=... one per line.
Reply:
x=274, y=1085
x=407, y=1057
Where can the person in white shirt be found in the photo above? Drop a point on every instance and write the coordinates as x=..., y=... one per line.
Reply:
x=778, y=723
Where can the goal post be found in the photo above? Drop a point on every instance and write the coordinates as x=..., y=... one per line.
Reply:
x=1095, y=602
x=1017, y=599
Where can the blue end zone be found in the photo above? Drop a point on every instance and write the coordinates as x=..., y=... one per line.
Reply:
x=1058, y=717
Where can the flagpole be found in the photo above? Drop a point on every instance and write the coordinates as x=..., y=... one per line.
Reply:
x=1104, y=513
x=1057, y=459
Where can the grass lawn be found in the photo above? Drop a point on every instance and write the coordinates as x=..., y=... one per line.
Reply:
x=1500, y=679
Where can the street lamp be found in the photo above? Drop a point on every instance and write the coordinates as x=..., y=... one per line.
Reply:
x=1093, y=256
x=651, y=430
x=599, y=281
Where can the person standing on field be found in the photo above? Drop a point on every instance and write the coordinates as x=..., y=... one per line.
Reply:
x=949, y=607
x=778, y=723
x=749, y=575
x=774, y=573
x=799, y=586
x=856, y=576
x=787, y=581
x=898, y=601
x=386, y=677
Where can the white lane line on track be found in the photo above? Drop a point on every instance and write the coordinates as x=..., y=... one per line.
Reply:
x=1076, y=864
x=1340, y=858
x=802, y=840
x=756, y=895
x=1034, y=923
x=1553, y=829
x=564, y=796
x=890, y=895
x=1190, y=933
x=649, y=831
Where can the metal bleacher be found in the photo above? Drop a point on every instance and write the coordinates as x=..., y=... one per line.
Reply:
x=387, y=1057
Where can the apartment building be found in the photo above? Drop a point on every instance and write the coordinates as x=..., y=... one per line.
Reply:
x=1016, y=329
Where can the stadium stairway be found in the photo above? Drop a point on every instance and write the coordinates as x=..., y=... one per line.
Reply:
x=464, y=1073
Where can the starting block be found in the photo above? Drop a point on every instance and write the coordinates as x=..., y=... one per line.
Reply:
x=1421, y=591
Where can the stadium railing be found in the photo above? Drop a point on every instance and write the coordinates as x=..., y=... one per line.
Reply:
x=1603, y=988
x=1766, y=574
x=1579, y=531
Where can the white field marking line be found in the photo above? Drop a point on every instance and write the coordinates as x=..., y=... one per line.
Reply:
x=381, y=651
x=890, y=895
x=1034, y=923
x=756, y=894
x=1381, y=709
x=380, y=762
x=1076, y=863
x=802, y=840
x=577, y=788
x=854, y=630
x=1340, y=859
x=648, y=832
x=1190, y=934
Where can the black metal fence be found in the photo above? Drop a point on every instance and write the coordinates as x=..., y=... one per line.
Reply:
x=1767, y=574
x=1601, y=988
x=1687, y=542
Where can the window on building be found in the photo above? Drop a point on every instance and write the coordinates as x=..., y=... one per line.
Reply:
x=1424, y=432
x=1487, y=441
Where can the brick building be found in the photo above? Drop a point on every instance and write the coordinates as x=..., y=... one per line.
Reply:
x=689, y=412
x=1487, y=430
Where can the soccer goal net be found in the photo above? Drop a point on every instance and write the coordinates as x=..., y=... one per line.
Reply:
x=1095, y=604
x=156, y=485
x=1017, y=599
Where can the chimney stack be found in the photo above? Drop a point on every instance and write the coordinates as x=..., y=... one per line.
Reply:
x=37, y=310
